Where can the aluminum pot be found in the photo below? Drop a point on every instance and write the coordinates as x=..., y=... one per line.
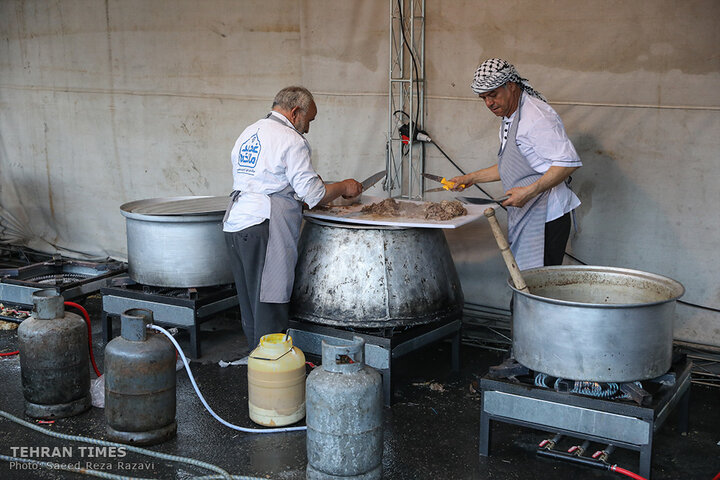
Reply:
x=594, y=323
x=177, y=242
x=374, y=276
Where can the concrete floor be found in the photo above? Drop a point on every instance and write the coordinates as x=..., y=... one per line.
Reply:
x=431, y=431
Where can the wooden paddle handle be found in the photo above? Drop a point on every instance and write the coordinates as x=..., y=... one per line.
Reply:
x=506, y=252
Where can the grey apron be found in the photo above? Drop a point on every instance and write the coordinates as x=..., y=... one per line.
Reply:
x=281, y=254
x=526, y=225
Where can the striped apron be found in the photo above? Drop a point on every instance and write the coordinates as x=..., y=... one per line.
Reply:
x=526, y=225
x=278, y=275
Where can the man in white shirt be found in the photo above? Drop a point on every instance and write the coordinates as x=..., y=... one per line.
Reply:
x=535, y=159
x=272, y=177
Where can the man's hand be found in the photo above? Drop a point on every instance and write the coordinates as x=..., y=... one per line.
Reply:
x=461, y=182
x=348, y=188
x=352, y=188
x=555, y=175
x=519, y=196
x=489, y=174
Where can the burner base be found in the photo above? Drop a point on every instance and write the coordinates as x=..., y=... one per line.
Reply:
x=380, y=350
x=72, y=279
x=620, y=423
x=168, y=311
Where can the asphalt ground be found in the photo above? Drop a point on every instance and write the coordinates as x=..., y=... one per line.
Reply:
x=431, y=430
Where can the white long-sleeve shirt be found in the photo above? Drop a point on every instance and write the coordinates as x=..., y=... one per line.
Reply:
x=541, y=138
x=267, y=157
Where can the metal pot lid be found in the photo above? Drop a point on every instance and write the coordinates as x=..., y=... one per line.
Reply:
x=177, y=206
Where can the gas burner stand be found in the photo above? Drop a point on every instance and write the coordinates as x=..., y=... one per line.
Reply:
x=620, y=423
x=69, y=278
x=381, y=349
x=186, y=312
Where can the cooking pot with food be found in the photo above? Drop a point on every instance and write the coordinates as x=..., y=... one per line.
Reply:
x=374, y=276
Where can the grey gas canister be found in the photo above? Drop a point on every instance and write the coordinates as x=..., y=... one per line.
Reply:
x=344, y=416
x=54, y=359
x=139, y=383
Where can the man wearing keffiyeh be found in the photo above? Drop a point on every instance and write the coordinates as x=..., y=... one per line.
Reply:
x=534, y=162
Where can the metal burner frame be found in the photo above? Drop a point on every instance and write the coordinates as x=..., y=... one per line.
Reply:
x=172, y=311
x=620, y=423
x=381, y=351
x=17, y=289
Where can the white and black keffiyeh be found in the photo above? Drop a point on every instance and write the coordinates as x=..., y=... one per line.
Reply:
x=496, y=72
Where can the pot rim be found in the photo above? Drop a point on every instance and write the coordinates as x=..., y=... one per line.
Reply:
x=126, y=211
x=353, y=226
x=676, y=288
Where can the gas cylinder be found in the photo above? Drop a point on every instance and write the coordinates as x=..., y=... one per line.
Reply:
x=139, y=383
x=54, y=361
x=276, y=381
x=344, y=416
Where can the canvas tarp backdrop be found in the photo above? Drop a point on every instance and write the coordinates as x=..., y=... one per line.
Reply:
x=102, y=103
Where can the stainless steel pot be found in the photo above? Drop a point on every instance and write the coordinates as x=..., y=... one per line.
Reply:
x=366, y=276
x=177, y=241
x=595, y=323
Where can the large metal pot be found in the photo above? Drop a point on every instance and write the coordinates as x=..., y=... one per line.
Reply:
x=367, y=276
x=177, y=242
x=595, y=323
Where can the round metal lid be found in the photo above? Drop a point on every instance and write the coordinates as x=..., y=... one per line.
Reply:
x=177, y=206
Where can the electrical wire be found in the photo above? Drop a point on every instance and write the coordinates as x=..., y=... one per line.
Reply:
x=89, y=327
x=414, y=62
x=202, y=398
x=404, y=145
x=7, y=354
x=702, y=307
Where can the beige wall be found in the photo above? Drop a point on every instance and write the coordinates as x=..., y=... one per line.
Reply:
x=106, y=102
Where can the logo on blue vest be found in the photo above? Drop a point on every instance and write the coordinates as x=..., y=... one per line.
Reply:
x=249, y=152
